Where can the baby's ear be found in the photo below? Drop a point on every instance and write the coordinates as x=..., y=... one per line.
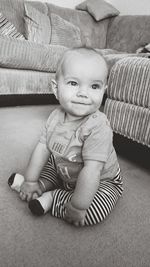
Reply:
x=54, y=87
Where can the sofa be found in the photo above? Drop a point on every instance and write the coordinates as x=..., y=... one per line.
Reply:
x=28, y=64
x=29, y=58
x=128, y=99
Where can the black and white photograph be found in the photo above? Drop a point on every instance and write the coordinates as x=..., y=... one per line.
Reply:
x=74, y=133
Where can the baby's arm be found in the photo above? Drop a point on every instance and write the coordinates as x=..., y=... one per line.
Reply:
x=86, y=188
x=38, y=159
x=87, y=184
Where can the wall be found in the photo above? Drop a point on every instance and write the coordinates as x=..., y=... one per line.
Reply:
x=133, y=7
x=64, y=3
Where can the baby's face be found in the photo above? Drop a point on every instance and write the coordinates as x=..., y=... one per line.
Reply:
x=81, y=85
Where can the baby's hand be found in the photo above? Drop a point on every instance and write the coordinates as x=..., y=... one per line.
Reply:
x=30, y=190
x=74, y=216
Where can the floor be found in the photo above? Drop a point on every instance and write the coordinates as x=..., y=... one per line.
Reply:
x=121, y=240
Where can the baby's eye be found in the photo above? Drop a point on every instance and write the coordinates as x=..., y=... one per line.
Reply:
x=96, y=86
x=72, y=83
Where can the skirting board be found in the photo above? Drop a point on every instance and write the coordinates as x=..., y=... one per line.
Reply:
x=28, y=99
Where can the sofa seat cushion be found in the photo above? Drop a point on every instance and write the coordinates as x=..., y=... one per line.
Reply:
x=20, y=54
x=21, y=82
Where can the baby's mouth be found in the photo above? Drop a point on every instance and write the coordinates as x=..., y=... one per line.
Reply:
x=80, y=103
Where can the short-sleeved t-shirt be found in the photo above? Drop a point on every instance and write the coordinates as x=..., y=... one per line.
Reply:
x=74, y=142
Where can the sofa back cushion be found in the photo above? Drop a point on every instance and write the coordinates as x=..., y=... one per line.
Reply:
x=92, y=33
x=37, y=25
x=55, y=30
x=8, y=29
x=14, y=12
x=64, y=33
x=127, y=33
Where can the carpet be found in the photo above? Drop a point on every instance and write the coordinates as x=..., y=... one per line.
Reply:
x=122, y=240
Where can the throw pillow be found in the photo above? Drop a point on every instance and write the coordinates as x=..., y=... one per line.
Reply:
x=37, y=25
x=64, y=32
x=8, y=29
x=99, y=9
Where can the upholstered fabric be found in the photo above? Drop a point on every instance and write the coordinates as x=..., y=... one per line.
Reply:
x=98, y=9
x=64, y=33
x=13, y=10
x=128, y=33
x=128, y=99
x=37, y=25
x=92, y=33
x=129, y=81
x=143, y=49
x=129, y=120
x=8, y=29
x=20, y=54
x=38, y=5
x=20, y=82
x=112, y=58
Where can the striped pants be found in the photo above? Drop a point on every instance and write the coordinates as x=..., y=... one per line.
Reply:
x=105, y=199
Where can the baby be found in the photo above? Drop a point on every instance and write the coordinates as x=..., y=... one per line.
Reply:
x=73, y=171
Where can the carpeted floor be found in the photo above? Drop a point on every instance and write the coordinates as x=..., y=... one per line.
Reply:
x=26, y=241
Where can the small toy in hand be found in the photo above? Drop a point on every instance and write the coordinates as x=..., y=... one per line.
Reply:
x=38, y=206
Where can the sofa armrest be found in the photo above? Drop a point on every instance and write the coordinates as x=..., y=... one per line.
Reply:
x=129, y=81
x=129, y=120
x=22, y=54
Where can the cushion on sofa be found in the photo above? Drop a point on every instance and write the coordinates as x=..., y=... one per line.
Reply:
x=37, y=25
x=8, y=29
x=128, y=99
x=112, y=56
x=18, y=54
x=17, y=81
x=129, y=81
x=122, y=29
x=99, y=9
x=39, y=5
x=111, y=59
x=64, y=32
x=92, y=33
x=13, y=10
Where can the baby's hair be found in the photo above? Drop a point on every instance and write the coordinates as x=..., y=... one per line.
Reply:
x=80, y=50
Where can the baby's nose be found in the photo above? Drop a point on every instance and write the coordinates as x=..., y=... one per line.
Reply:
x=82, y=91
